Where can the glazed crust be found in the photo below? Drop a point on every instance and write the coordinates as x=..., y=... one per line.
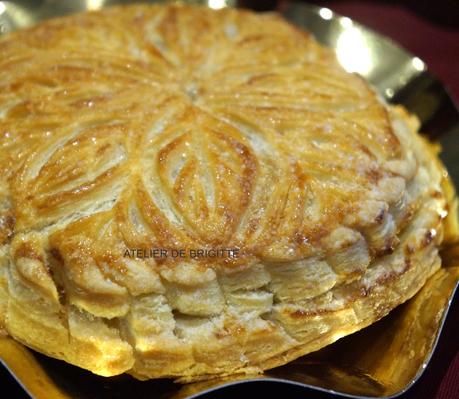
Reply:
x=180, y=127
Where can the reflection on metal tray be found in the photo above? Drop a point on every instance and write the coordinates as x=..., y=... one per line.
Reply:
x=382, y=360
x=399, y=76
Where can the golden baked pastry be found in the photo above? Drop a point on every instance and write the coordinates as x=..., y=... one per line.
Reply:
x=178, y=128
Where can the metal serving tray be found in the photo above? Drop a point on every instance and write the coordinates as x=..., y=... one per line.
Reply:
x=381, y=361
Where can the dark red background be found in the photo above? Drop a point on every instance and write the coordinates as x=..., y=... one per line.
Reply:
x=428, y=29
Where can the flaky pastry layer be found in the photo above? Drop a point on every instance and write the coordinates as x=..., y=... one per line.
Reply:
x=180, y=127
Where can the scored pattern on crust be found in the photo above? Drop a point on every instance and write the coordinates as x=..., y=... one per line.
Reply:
x=182, y=127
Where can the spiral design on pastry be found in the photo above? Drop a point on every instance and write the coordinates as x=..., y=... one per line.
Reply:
x=183, y=127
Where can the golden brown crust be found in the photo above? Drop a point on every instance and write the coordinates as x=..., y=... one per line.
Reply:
x=131, y=128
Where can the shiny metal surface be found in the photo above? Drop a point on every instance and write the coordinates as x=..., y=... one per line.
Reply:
x=381, y=361
x=400, y=77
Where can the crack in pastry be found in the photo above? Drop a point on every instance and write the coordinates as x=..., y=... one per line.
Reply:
x=131, y=128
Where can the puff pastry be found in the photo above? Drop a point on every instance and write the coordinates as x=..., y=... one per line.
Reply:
x=180, y=127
